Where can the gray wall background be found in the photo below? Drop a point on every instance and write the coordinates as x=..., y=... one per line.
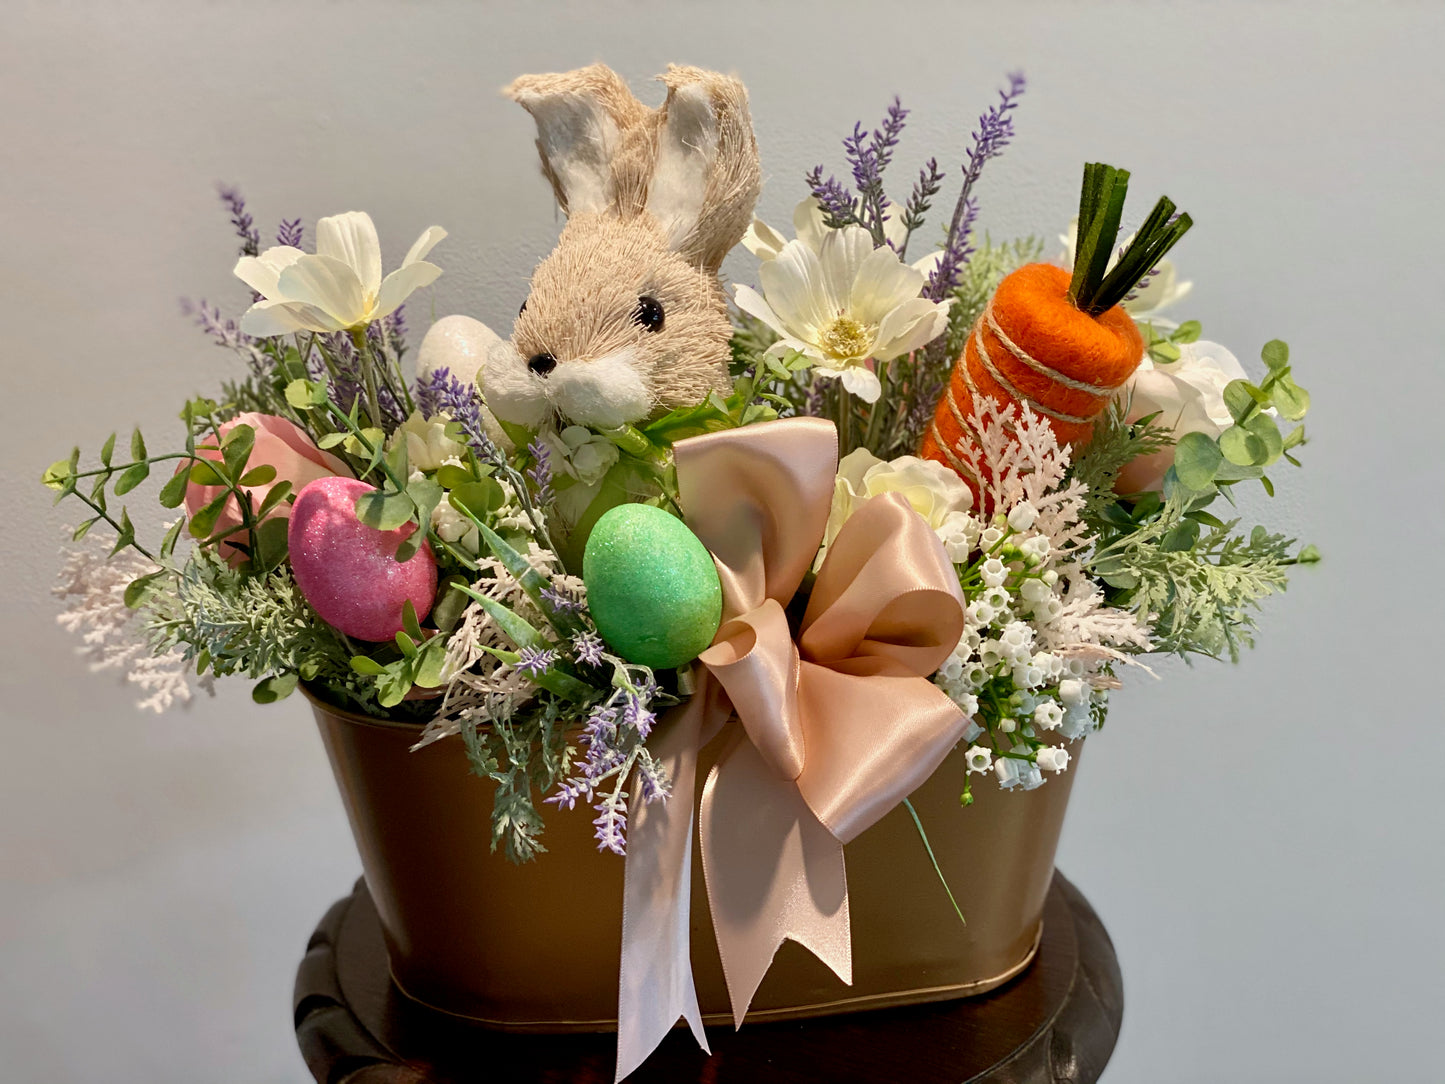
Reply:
x=1264, y=841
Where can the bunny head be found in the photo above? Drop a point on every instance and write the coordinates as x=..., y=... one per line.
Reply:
x=626, y=317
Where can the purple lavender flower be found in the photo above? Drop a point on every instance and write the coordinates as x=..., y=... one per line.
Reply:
x=240, y=219
x=840, y=207
x=612, y=826
x=652, y=781
x=442, y=393
x=535, y=661
x=587, y=647
x=540, y=473
x=994, y=133
x=395, y=326
x=289, y=232
x=636, y=715
x=562, y=600
x=226, y=332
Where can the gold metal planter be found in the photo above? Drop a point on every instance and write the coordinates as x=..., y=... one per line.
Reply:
x=536, y=947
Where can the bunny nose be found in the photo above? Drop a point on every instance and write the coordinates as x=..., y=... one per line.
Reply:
x=542, y=364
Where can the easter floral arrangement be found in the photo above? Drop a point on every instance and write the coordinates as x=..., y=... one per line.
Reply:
x=884, y=508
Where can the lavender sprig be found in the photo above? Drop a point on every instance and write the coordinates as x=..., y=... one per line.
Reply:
x=289, y=232
x=226, y=332
x=930, y=180
x=540, y=473
x=995, y=131
x=442, y=393
x=535, y=661
x=240, y=218
x=840, y=207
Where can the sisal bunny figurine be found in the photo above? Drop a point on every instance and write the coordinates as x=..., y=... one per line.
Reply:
x=626, y=317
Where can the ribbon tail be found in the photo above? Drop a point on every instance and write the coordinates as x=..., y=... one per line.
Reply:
x=773, y=873
x=655, y=984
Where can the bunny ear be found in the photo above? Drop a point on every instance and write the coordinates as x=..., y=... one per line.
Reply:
x=584, y=120
x=706, y=177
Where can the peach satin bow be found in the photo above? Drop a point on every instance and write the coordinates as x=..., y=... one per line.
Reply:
x=839, y=721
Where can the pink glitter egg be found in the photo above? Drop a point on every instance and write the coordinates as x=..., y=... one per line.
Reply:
x=349, y=571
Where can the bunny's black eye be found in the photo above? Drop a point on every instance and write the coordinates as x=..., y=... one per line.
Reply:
x=649, y=313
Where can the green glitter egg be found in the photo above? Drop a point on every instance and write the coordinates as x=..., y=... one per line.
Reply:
x=652, y=586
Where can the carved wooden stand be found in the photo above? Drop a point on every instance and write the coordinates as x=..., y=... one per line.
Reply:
x=1056, y=1022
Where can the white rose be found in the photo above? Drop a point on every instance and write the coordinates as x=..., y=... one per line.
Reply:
x=935, y=492
x=427, y=445
x=1188, y=396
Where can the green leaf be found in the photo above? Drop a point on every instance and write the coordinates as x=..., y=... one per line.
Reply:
x=107, y=449
x=1294, y=438
x=1291, y=399
x=1309, y=555
x=135, y=591
x=168, y=544
x=1265, y=428
x=1268, y=485
x=131, y=477
x=430, y=663
x=531, y=581
x=410, y=625
x=514, y=627
x=364, y=664
x=174, y=491
x=137, y=445
x=478, y=498
x=1242, y=448
x=1239, y=400
x=298, y=394
x=426, y=495
x=384, y=511
x=206, y=473
x=269, y=548
x=406, y=644
x=59, y=476
x=84, y=529
x=1201, y=516
x=1165, y=351
x=258, y=476
x=278, y=687
x=1275, y=353
x=274, y=496
x=331, y=440
x=447, y=610
x=236, y=448
x=450, y=476
x=1187, y=332
x=1181, y=537
x=1196, y=458
x=126, y=535
x=204, y=521
x=392, y=686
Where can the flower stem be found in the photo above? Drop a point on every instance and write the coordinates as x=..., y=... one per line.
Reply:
x=368, y=374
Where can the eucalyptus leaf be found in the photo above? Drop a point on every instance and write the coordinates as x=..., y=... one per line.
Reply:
x=1275, y=353
x=1242, y=448
x=479, y=498
x=1294, y=438
x=1291, y=400
x=1238, y=399
x=1265, y=428
x=450, y=476
x=1181, y=537
x=1187, y=332
x=447, y=610
x=135, y=591
x=58, y=474
x=271, y=689
x=1196, y=458
x=236, y=448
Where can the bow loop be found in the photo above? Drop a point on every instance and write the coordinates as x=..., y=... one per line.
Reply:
x=887, y=600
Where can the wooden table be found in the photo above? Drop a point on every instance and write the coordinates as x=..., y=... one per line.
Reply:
x=1056, y=1022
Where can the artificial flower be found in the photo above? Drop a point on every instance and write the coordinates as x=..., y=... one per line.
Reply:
x=936, y=493
x=811, y=227
x=843, y=305
x=583, y=454
x=279, y=444
x=1188, y=396
x=1159, y=291
x=339, y=287
x=427, y=443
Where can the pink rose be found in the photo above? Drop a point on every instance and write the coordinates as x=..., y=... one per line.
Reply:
x=279, y=444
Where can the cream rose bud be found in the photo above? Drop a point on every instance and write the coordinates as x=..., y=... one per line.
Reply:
x=1188, y=396
x=427, y=445
x=935, y=492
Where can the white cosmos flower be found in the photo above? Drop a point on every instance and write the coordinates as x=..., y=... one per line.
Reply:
x=1159, y=292
x=338, y=288
x=765, y=243
x=843, y=303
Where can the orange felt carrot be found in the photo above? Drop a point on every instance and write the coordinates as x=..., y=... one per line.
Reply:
x=1055, y=340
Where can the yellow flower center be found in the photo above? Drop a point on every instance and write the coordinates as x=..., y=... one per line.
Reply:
x=846, y=338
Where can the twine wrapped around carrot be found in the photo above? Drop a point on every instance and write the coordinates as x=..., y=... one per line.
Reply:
x=1057, y=340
